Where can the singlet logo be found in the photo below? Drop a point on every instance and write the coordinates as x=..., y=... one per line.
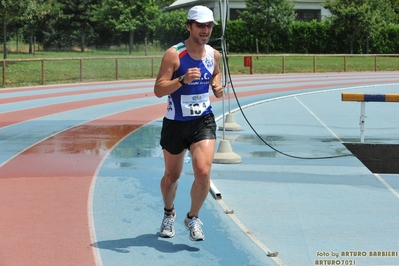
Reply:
x=205, y=76
x=208, y=62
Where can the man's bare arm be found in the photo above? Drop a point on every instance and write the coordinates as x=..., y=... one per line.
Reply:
x=217, y=77
x=164, y=85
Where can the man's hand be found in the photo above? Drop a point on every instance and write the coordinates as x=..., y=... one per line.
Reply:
x=217, y=90
x=192, y=74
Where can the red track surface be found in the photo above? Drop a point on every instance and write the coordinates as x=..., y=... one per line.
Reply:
x=44, y=191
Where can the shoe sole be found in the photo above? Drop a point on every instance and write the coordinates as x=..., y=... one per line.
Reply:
x=168, y=236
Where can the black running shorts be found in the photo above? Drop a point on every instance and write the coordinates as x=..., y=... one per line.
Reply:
x=177, y=136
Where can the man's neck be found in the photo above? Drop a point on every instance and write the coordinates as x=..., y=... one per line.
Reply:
x=194, y=49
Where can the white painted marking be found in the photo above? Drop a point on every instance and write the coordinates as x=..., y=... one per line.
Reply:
x=318, y=119
x=249, y=233
x=382, y=180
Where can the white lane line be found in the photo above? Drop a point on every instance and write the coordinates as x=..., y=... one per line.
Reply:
x=382, y=180
x=318, y=119
x=90, y=205
x=90, y=215
x=249, y=233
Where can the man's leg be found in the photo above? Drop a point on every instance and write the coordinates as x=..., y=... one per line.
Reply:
x=202, y=153
x=173, y=168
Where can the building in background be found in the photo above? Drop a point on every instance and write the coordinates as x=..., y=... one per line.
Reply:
x=306, y=10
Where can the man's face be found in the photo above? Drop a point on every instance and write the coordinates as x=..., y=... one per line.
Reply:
x=201, y=32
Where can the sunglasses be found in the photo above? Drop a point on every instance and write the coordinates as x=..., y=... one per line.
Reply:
x=203, y=25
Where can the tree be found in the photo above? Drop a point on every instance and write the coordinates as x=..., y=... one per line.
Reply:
x=264, y=18
x=359, y=19
x=128, y=15
x=395, y=7
x=34, y=13
x=163, y=3
x=171, y=28
x=78, y=14
x=9, y=10
x=150, y=18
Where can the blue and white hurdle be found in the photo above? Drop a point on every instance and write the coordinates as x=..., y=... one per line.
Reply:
x=363, y=98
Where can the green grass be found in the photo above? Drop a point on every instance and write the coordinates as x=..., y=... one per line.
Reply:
x=66, y=68
x=23, y=69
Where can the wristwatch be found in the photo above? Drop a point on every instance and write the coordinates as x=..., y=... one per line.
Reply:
x=181, y=80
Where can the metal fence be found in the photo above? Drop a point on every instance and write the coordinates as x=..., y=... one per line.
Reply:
x=31, y=72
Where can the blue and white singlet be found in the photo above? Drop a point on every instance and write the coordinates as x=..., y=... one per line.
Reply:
x=191, y=101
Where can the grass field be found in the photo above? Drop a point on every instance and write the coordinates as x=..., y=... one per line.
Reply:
x=24, y=69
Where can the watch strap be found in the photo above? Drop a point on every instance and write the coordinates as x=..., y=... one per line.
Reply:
x=181, y=80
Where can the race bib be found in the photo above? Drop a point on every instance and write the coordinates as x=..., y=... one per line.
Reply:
x=194, y=105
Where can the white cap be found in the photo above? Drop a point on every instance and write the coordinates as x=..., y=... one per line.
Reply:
x=201, y=14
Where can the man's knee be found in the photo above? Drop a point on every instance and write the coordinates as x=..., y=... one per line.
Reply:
x=172, y=176
x=202, y=179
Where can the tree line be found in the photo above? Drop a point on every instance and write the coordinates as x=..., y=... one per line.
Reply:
x=355, y=26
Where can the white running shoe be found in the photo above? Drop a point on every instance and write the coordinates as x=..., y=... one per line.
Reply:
x=167, y=226
x=194, y=226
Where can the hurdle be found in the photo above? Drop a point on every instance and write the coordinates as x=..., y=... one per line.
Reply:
x=363, y=98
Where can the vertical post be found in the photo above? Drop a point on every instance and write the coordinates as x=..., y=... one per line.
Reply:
x=4, y=36
x=362, y=119
x=116, y=68
x=375, y=63
x=146, y=46
x=344, y=63
x=314, y=64
x=152, y=67
x=17, y=41
x=81, y=69
x=4, y=73
x=250, y=67
x=257, y=48
x=43, y=72
x=283, y=64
